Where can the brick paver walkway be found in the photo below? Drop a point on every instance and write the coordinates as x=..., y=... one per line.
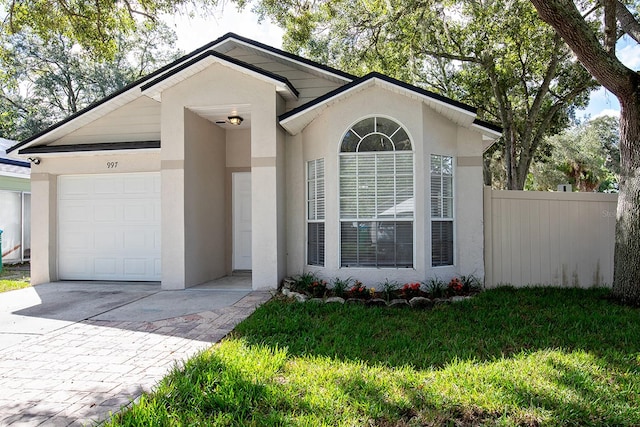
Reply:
x=80, y=374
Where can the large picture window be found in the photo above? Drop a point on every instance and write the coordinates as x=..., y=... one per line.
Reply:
x=441, y=210
x=315, y=212
x=376, y=195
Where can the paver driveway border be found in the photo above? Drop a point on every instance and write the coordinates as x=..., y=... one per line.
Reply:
x=80, y=373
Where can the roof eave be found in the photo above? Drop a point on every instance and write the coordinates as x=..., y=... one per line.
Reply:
x=155, y=87
x=296, y=120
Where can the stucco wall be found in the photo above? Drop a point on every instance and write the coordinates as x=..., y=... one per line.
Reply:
x=205, y=146
x=225, y=88
x=431, y=133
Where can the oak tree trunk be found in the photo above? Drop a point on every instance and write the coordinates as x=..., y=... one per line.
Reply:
x=626, y=276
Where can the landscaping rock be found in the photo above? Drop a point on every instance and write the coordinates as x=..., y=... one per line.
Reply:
x=376, y=302
x=399, y=303
x=297, y=296
x=421, y=302
x=286, y=292
x=335, y=300
x=459, y=298
x=355, y=301
x=288, y=283
x=441, y=301
x=316, y=300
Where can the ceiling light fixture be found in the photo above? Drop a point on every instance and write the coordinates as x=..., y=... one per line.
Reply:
x=235, y=120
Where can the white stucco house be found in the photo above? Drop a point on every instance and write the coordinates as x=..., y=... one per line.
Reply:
x=15, y=206
x=240, y=156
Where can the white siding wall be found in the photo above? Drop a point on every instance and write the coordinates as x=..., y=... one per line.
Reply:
x=549, y=238
x=138, y=120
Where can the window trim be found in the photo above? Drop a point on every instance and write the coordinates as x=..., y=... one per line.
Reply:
x=412, y=219
x=316, y=220
x=451, y=219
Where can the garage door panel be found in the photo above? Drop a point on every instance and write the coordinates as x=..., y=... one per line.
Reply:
x=79, y=268
x=107, y=213
x=108, y=186
x=105, y=241
x=135, y=266
x=74, y=212
x=74, y=188
x=78, y=241
x=105, y=266
x=138, y=211
x=106, y=235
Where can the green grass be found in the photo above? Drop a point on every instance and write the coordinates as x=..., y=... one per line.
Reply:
x=507, y=357
x=12, y=277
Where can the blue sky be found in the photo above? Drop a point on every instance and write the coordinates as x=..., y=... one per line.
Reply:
x=195, y=32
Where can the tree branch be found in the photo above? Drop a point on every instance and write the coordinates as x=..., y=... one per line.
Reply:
x=627, y=22
x=605, y=67
x=544, y=88
x=610, y=30
x=451, y=56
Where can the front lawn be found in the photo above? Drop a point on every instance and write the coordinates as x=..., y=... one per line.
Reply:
x=506, y=357
x=14, y=277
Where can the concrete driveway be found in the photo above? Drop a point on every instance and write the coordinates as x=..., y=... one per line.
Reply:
x=71, y=353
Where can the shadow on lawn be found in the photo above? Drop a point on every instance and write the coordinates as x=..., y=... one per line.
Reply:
x=535, y=357
x=497, y=323
x=589, y=345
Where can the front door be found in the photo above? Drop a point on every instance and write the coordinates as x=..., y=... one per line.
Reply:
x=241, y=183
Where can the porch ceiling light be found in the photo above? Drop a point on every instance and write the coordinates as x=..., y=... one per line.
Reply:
x=235, y=120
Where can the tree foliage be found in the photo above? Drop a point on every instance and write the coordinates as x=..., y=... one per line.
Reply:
x=586, y=156
x=96, y=25
x=50, y=80
x=495, y=54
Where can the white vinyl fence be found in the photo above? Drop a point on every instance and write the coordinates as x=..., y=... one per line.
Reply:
x=549, y=238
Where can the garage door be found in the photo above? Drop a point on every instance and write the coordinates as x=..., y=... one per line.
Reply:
x=109, y=227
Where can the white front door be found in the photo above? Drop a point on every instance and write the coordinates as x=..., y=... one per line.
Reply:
x=241, y=189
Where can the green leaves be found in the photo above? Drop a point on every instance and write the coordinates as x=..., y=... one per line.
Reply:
x=46, y=80
x=96, y=25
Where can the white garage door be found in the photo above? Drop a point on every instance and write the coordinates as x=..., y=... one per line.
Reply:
x=109, y=227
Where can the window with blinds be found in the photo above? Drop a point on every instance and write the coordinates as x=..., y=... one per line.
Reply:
x=315, y=212
x=376, y=195
x=441, y=210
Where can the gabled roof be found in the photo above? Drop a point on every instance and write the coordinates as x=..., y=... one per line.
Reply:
x=133, y=90
x=465, y=115
x=295, y=120
x=197, y=64
x=9, y=166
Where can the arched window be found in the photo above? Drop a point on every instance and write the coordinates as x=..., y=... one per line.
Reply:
x=376, y=195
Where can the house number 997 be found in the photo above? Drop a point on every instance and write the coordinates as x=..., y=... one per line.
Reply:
x=112, y=165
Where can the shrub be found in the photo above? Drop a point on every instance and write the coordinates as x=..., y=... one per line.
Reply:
x=410, y=290
x=340, y=286
x=455, y=286
x=389, y=289
x=358, y=290
x=471, y=283
x=311, y=284
x=435, y=287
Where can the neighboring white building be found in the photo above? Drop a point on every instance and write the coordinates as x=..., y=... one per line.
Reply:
x=240, y=156
x=15, y=205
